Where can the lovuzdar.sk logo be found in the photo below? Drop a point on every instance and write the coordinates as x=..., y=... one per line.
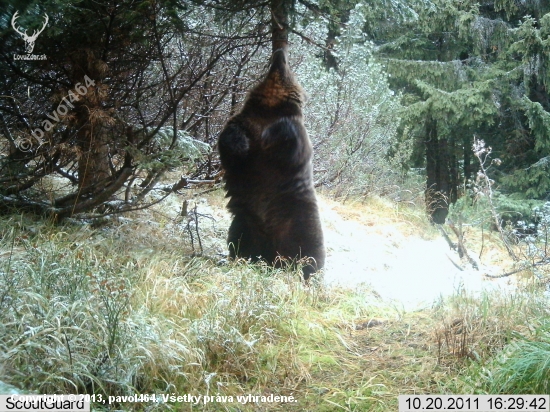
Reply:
x=29, y=40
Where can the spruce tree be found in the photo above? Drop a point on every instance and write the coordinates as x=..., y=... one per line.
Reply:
x=468, y=70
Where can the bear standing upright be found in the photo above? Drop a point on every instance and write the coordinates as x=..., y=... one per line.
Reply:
x=266, y=154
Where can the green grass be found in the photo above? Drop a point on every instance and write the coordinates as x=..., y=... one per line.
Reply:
x=523, y=367
x=124, y=309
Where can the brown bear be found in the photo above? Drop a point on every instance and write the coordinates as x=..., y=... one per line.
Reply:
x=266, y=154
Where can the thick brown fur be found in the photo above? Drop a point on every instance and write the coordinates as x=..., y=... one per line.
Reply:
x=266, y=154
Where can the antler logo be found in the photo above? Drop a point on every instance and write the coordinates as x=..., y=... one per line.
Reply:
x=29, y=40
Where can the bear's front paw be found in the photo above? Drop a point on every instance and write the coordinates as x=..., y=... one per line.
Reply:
x=241, y=145
x=233, y=141
x=280, y=132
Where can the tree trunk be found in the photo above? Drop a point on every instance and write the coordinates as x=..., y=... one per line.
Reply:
x=280, y=11
x=437, y=173
x=93, y=164
x=453, y=171
x=538, y=92
x=91, y=138
x=467, y=155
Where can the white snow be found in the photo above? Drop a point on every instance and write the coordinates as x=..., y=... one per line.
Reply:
x=405, y=269
x=409, y=271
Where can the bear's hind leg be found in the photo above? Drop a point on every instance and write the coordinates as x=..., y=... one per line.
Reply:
x=301, y=235
x=246, y=240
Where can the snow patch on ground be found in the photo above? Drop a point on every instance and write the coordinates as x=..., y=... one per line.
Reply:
x=409, y=271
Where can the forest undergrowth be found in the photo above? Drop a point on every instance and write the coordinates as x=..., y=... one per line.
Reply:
x=133, y=306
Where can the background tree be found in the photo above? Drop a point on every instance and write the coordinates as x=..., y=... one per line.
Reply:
x=469, y=70
x=156, y=81
x=163, y=77
x=350, y=113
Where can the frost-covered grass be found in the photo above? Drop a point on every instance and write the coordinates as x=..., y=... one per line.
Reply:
x=125, y=309
x=112, y=311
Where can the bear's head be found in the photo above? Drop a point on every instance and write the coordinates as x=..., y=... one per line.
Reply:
x=280, y=85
